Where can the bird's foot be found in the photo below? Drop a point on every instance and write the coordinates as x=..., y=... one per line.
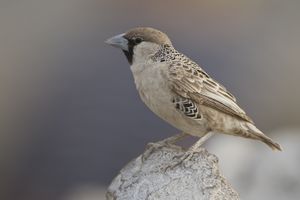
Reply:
x=168, y=142
x=188, y=155
x=173, y=139
x=184, y=158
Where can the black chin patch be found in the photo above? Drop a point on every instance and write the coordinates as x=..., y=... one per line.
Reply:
x=129, y=54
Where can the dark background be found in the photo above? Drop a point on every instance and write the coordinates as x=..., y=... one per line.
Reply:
x=70, y=114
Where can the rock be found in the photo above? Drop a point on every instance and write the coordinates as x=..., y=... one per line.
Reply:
x=165, y=172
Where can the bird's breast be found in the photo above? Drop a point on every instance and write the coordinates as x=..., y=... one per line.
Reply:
x=152, y=85
x=154, y=89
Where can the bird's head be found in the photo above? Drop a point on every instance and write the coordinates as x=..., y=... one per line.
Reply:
x=140, y=43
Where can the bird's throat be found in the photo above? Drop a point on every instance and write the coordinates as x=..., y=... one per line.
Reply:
x=129, y=54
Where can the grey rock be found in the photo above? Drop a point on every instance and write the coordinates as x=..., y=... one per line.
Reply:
x=163, y=172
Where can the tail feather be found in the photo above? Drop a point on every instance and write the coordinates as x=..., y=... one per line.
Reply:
x=268, y=141
x=255, y=133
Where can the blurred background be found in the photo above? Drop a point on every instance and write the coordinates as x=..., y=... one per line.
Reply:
x=70, y=114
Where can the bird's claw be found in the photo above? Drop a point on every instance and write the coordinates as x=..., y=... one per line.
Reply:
x=183, y=158
x=153, y=146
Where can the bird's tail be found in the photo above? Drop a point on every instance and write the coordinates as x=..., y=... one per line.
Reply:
x=256, y=134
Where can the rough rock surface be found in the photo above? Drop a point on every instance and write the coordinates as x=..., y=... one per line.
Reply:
x=164, y=172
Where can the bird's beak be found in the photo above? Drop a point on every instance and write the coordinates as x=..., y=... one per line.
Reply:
x=118, y=41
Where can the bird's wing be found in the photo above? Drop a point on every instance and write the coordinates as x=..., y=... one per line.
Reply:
x=190, y=81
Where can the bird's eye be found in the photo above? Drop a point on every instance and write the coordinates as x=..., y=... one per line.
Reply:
x=138, y=40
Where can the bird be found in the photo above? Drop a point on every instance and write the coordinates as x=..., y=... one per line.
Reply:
x=180, y=92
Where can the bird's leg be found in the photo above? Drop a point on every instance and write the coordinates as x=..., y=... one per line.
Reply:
x=193, y=149
x=173, y=139
x=165, y=142
x=168, y=141
x=196, y=147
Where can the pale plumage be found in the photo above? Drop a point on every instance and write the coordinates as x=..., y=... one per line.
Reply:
x=179, y=91
x=189, y=80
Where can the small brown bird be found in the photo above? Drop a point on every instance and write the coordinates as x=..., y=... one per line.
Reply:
x=179, y=91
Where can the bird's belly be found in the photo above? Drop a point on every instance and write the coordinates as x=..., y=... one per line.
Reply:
x=155, y=92
x=159, y=101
